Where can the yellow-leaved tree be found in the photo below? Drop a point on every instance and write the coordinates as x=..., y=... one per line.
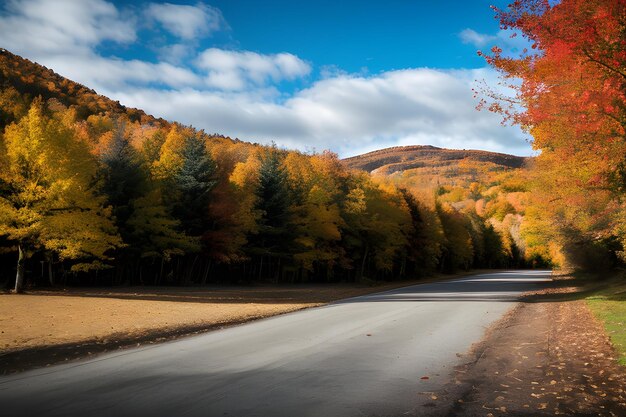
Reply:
x=318, y=220
x=47, y=201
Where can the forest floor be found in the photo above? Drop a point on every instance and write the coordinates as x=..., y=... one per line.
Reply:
x=550, y=355
x=44, y=327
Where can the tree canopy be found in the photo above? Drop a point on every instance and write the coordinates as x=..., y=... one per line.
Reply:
x=572, y=97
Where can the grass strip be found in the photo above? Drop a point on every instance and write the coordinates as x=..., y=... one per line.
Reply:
x=609, y=305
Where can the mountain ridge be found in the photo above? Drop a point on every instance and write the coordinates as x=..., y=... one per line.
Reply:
x=29, y=77
x=400, y=158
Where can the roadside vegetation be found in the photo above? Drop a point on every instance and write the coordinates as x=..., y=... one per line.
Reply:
x=608, y=305
x=570, y=85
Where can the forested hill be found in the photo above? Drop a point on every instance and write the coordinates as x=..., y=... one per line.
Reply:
x=402, y=158
x=22, y=80
x=104, y=194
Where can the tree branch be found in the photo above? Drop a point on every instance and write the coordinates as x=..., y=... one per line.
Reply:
x=607, y=66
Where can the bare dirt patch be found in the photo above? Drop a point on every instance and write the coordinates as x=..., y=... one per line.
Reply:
x=39, y=330
x=542, y=359
x=62, y=319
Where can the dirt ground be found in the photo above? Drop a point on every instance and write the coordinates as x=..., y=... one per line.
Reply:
x=546, y=357
x=45, y=327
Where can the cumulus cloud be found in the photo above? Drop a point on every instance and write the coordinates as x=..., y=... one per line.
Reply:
x=64, y=34
x=41, y=26
x=348, y=114
x=112, y=74
x=234, y=70
x=187, y=22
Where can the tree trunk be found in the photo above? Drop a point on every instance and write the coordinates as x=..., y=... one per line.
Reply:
x=21, y=269
x=403, y=267
x=190, y=273
x=158, y=280
x=50, y=272
x=206, y=273
x=367, y=250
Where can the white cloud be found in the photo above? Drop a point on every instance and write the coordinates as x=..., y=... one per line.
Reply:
x=102, y=73
x=348, y=114
x=187, y=22
x=175, y=53
x=43, y=26
x=234, y=70
x=477, y=39
x=63, y=34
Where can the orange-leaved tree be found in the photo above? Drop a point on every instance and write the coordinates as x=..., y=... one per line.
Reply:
x=573, y=99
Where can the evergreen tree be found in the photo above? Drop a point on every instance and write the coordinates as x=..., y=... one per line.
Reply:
x=425, y=237
x=123, y=176
x=275, y=235
x=193, y=183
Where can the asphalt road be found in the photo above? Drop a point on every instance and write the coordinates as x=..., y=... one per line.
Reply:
x=364, y=356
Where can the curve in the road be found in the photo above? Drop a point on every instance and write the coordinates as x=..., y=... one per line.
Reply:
x=374, y=355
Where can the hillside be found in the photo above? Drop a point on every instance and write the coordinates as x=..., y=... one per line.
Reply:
x=402, y=158
x=425, y=167
x=23, y=80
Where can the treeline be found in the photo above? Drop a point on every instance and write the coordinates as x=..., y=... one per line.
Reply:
x=573, y=92
x=104, y=199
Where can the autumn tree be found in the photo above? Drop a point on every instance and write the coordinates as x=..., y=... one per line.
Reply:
x=13, y=106
x=186, y=169
x=151, y=147
x=457, y=251
x=146, y=224
x=230, y=206
x=48, y=201
x=377, y=225
x=244, y=180
x=316, y=184
x=573, y=93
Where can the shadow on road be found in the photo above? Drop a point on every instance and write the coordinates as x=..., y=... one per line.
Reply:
x=510, y=286
x=504, y=286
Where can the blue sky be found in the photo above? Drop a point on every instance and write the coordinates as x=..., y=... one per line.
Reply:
x=378, y=35
x=351, y=76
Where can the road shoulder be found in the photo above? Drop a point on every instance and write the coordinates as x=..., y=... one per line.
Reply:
x=543, y=358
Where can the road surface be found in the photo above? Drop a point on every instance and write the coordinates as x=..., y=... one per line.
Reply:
x=364, y=356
